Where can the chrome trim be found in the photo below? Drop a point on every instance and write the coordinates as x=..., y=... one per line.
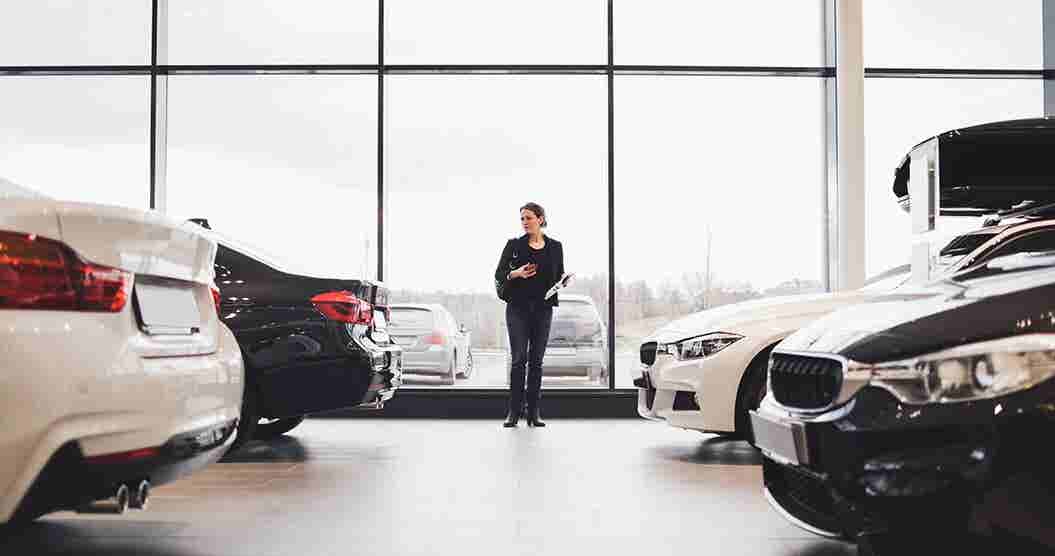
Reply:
x=852, y=380
x=770, y=405
x=796, y=521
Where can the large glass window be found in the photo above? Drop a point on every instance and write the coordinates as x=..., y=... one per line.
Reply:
x=272, y=32
x=743, y=33
x=463, y=153
x=718, y=200
x=75, y=32
x=489, y=32
x=953, y=34
x=76, y=138
x=900, y=113
x=285, y=163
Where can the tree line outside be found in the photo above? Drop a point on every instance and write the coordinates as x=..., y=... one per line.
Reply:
x=640, y=306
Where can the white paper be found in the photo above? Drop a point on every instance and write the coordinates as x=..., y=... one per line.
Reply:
x=564, y=282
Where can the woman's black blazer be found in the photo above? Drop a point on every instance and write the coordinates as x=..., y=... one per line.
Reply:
x=513, y=258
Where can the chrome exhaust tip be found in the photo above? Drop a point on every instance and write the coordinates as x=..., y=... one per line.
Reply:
x=116, y=504
x=140, y=496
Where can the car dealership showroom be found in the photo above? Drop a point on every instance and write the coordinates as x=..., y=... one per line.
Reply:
x=332, y=277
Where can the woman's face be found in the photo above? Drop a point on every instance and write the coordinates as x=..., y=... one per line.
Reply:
x=530, y=222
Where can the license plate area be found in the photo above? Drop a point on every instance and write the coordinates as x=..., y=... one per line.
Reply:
x=167, y=308
x=781, y=440
x=560, y=351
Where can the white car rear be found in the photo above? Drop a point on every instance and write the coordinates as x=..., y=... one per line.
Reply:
x=117, y=373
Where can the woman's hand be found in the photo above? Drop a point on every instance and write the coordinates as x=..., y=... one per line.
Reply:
x=526, y=271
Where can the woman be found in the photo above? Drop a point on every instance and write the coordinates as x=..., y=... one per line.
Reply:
x=529, y=266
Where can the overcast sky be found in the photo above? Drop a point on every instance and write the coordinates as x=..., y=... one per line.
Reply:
x=289, y=163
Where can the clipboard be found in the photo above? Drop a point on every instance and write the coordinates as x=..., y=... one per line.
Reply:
x=564, y=282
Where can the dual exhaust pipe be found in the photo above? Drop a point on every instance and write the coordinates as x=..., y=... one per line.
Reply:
x=125, y=497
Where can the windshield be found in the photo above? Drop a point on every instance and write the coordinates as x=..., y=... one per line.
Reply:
x=575, y=321
x=888, y=279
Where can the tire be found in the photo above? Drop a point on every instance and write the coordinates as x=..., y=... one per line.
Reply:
x=452, y=372
x=460, y=373
x=750, y=393
x=248, y=420
x=468, y=372
x=276, y=428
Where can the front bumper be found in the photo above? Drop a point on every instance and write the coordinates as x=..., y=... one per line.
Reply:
x=877, y=465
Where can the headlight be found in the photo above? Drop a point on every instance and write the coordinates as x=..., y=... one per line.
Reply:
x=698, y=347
x=970, y=372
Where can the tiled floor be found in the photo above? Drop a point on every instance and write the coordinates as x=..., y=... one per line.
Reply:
x=378, y=487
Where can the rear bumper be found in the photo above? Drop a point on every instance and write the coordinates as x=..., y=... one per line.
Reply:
x=81, y=378
x=385, y=379
x=68, y=480
x=361, y=379
x=428, y=362
x=576, y=362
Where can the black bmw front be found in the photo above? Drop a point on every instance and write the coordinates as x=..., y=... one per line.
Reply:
x=930, y=412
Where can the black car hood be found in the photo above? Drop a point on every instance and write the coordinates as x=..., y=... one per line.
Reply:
x=993, y=166
x=942, y=315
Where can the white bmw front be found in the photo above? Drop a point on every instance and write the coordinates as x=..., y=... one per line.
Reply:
x=117, y=372
x=704, y=371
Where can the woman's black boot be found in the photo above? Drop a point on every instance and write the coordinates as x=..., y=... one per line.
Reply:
x=533, y=418
x=512, y=418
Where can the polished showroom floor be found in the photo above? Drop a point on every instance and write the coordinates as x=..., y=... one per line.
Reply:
x=376, y=487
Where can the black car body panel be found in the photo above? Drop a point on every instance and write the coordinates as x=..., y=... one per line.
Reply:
x=298, y=360
x=993, y=166
x=876, y=463
x=971, y=306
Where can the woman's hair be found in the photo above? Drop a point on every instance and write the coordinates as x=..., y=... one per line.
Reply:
x=539, y=212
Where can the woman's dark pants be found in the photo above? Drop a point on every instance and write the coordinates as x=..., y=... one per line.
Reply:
x=528, y=333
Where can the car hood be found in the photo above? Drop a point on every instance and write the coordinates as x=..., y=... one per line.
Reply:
x=736, y=317
x=943, y=315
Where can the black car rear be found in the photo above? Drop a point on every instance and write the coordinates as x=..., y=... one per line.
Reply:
x=310, y=344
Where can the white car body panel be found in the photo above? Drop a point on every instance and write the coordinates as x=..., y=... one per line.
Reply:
x=94, y=377
x=715, y=380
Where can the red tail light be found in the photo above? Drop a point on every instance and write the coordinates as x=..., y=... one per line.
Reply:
x=344, y=307
x=215, y=297
x=40, y=273
x=436, y=338
x=123, y=457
